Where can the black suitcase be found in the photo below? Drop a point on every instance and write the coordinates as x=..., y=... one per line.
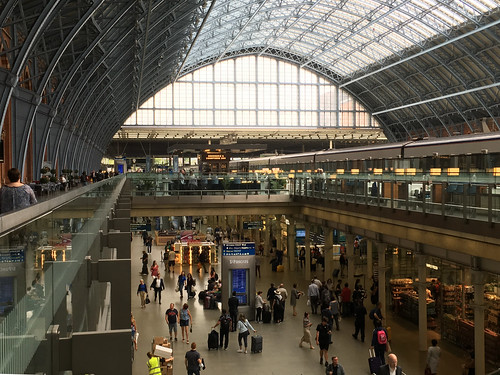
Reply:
x=202, y=295
x=256, y=346
x=374, y=362
x=213, y=340
x=266, y=316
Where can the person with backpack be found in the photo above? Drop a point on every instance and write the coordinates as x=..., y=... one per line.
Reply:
x=379, y=341
x=225, y=323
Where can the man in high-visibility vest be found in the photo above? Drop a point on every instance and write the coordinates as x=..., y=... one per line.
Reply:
x=153, y=364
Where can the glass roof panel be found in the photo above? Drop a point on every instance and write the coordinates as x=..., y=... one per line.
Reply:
x=361, y=32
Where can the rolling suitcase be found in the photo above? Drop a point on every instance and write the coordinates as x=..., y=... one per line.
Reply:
x=266, y=316
x=202, y=295
x=256, y=346
x=373, y=361
x=207, y=303
x=213, y=340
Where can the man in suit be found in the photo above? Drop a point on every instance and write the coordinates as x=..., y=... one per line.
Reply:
x=391, y=368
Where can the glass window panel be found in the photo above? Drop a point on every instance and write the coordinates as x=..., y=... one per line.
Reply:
x=289, y=96
x=161, y=117
x=267, y=70
x=183, y=95
x=346, y=102
x=246, y=118
x=149, y=103
x=224, y=71
x=132, y=120
x=224, y=96
x=245, y=69
x=327, y=98
x=289, y=118
x=145, y=117
x=268, y=118
x=308, y=97
x=246, y=96
x=203, y=95
x=268, y=96
x=203, y=118
x=183, y=117
x=170, y=117
x=362, y=119
x=224, y=118
x=287, y=72
x=346, y=119
x=205, y=74
x=309, y=118
x=328, y=119
x=307, y=77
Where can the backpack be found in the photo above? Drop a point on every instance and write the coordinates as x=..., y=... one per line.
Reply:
x=225, y=322
x=381, y=337
x=372, y=314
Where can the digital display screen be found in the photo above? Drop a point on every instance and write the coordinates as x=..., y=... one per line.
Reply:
x=239, y=284
x=300, y=233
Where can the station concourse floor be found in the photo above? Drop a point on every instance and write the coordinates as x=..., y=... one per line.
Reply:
x=281, y=353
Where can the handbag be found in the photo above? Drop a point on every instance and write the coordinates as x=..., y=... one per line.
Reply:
x=147, y=300
x=177, y=288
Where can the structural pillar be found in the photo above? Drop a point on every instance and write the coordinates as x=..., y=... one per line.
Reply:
x=422, y=303
x=369, y=258
x=267, y=235
x=479, y=347
x=381, y=276
x=307, y=244
x=349, y=248
x=328, y=252
x=291, y=244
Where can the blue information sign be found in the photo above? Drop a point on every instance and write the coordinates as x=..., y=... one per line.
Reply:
x=12, y=256
x=238, y=248
x=239, y=284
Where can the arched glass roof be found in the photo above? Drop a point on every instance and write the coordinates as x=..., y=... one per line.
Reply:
x=252, y=91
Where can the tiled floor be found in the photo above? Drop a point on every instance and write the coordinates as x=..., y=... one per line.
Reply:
x=281, y=354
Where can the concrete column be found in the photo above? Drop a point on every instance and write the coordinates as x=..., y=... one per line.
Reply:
x=291, y=244
x=369, y=258
x=279, y=239
x=422, y=303
x=381, y=276
x=328, y=252
x=307, y=243
x=479, y=348
x=349, y=248
x=266, y=233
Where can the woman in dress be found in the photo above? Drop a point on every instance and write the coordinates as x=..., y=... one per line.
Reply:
x=306, y=323
x=190, y=283
x=433, y=356
x=154, y=269
x=135, y=333
x=294, y=296
x=185, y=320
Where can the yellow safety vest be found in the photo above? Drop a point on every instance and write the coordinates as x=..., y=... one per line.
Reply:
x=154, y=365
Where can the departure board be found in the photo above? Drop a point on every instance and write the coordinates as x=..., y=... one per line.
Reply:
x=239, y=283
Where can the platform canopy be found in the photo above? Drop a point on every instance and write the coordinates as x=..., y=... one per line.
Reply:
x=420, y=67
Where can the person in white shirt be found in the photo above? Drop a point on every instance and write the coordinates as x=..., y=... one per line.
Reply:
x=313, y=295
x=433, y=356
x=243, y=327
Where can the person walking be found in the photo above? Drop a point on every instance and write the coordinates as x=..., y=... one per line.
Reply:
x=335, y=308
x=233, y=304
x=190, y=283
x=172, y=317
x=157, y=285
x=133, y=328
x=294, y=296
x=185, y=320
x=243, y=327
x=142, y=291
x=335, y=368
x=171, y=260
x=181, y=282
x=379, y=341
x=149, y=244
x=345, y=297
x=359, y=320
x=193, y=361
x=144, y=260
x=15, y=195
x=154, y=269
x=225, y=323
x=270, y=296
x=376, y=314
x=259, y=304
x=313, y=295
x=391, y=367
x=306, y=337
x=433, y=356
x=323, y=332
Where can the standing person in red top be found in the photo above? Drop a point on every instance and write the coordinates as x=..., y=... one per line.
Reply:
x=345, y=295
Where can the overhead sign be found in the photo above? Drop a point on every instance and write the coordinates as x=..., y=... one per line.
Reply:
x=12, y=256
x=138, y=227
x=238, y=248
x=252, y=225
